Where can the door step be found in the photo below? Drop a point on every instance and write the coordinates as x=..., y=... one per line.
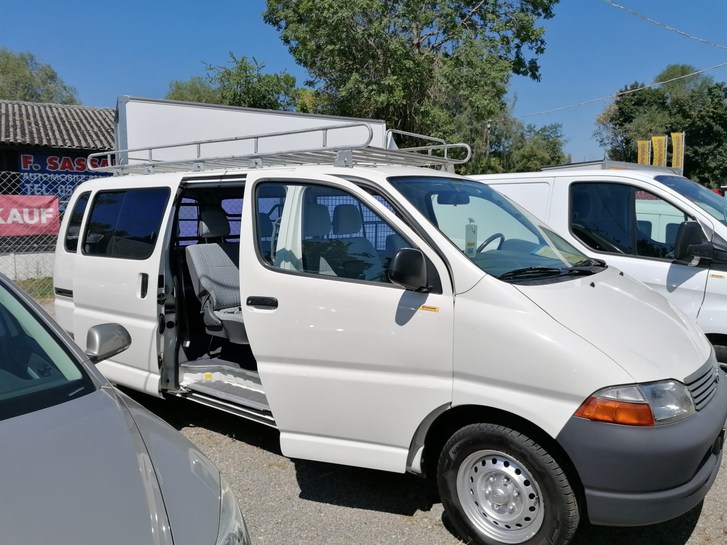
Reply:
x=231, y=393
x=261, y=417
x=219, y=371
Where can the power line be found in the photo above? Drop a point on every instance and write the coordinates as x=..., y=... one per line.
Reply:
x=622, y=93
x=649, y=86
x=671, y=28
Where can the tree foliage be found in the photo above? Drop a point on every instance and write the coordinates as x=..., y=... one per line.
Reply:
x=435, y=67
x=515, y=147
x=241, y=83
x=23, y=77
x=195, y=89
x=695, y=105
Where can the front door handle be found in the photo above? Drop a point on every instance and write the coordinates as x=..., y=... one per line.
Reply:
x=262, y=302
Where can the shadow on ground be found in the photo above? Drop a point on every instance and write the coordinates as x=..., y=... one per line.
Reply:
x=379, y=490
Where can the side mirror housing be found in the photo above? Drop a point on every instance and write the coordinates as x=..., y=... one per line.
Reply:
x=408, y=269
x=106, y=340
x=691, y=244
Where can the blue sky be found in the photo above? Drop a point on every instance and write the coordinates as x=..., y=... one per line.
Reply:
x=137, y=47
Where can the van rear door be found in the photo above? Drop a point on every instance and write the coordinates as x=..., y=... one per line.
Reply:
x=119, y=275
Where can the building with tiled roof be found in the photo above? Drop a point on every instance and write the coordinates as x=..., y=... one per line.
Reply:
x=52, y=127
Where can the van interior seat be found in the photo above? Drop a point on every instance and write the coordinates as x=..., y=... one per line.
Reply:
x=265, y=235
x=215, y=274
x=360, y=259
x=316, y=228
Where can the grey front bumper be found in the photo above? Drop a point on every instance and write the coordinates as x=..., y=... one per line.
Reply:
x=644, y=475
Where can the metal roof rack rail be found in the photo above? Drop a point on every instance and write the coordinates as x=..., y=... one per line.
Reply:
x=270, y=150
x=608, y=164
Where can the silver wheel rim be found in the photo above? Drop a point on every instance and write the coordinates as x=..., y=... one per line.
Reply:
x=499, y=496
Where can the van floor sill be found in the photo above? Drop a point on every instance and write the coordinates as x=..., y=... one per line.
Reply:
x=231, y=394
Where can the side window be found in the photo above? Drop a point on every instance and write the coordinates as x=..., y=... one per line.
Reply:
x=125, y=224
x=618, y=218
x=323, y=230
x=74, y=223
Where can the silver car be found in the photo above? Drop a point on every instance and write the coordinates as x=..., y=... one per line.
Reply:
x=81, y=463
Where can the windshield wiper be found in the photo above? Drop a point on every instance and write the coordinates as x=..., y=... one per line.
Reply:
x=590, y=262
x=531, y=272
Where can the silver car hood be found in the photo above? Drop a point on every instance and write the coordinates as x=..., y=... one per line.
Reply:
x=80, y=473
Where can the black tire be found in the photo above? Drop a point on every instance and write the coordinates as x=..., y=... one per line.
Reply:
x=720, y=351
x=499, y=486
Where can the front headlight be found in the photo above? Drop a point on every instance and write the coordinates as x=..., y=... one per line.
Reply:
x=639, y=404
x=233, y=530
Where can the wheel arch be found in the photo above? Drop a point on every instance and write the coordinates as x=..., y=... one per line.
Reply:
x=446, y=422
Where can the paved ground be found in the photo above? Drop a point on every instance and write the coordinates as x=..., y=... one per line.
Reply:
x=290, y=502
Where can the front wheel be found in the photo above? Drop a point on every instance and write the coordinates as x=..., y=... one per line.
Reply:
x=499, y=486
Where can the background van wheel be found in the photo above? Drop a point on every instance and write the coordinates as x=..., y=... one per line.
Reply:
x=720, y=351
x=499, y=486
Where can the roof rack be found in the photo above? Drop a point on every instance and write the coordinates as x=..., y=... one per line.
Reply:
x=607, y=164
x=341, y=145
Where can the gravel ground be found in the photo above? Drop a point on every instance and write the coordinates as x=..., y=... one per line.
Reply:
x=295, y=502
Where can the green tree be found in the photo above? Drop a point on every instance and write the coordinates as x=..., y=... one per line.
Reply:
x=695, y=105
x=436, y=67
x=242, y=83
x=195, y=89
x=515, y=147
x=23, y=77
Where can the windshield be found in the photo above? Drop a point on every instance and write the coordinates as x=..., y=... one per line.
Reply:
x=709, y=201
x=500, y=238
x=36, y=371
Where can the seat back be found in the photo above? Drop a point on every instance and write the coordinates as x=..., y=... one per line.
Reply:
x=316, y=227
x=215, y=275
x=361, y=260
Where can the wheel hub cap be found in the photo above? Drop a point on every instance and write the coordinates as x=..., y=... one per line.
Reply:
x=500, y=496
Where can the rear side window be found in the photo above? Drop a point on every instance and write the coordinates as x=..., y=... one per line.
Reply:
x=125, y=224
x=74, y=223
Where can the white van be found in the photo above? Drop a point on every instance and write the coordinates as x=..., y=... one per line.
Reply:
x=657, y=226
x=403, y=319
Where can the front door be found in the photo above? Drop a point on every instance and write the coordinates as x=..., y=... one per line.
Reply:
x=118, y=278
x=350, y=363
x=634, y=230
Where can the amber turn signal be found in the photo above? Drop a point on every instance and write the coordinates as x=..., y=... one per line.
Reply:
x=616, y=412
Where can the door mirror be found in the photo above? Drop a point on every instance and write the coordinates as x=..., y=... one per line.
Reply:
x=408, y=269
x=106, y=340
x=691, y=244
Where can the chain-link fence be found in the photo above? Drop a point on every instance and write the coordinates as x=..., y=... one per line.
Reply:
x=28, y=231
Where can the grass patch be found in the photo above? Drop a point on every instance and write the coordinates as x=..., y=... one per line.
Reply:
x=40, y=289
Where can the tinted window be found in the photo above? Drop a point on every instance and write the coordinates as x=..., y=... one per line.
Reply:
x=74, y=223
x=125, y=224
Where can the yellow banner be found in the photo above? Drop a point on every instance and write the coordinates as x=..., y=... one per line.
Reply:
x=677, y=150
x=644, y=149
x=658, y=144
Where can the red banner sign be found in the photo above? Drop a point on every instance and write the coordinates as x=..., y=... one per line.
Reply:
x=28, y=215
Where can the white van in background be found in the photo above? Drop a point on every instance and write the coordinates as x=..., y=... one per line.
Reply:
x=657, y=226
x=403, y=319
